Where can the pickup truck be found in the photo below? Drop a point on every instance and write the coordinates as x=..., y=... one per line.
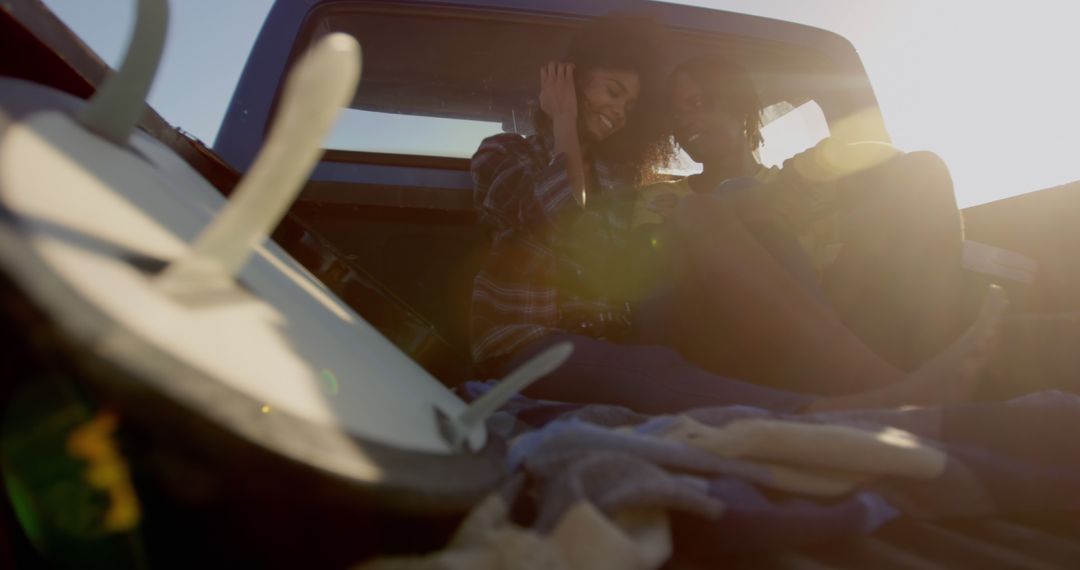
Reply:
x=441, y=78
x=386, y=223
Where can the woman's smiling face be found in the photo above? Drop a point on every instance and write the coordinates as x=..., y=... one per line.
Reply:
x=607, y=98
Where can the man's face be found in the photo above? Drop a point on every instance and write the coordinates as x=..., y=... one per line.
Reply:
x=701, y=125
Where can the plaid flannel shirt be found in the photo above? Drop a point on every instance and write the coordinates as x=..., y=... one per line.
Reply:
x=532, y=278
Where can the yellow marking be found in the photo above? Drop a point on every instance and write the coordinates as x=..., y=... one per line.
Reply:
x=107, y=470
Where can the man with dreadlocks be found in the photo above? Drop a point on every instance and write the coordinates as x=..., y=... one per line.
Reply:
x=846, y=253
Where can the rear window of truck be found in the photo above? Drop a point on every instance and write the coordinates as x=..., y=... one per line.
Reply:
x=437, y=81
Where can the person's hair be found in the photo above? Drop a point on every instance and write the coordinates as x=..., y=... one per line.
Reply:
x=624, y=43
x=726, y=83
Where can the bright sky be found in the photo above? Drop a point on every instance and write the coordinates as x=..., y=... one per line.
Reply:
x=990, y=86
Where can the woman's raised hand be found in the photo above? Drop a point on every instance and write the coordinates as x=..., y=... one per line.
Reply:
x=558, y=98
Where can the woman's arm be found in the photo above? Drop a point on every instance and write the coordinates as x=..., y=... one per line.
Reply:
x=558, y=99
x=516, y=185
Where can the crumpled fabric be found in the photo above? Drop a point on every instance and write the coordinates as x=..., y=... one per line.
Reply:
x=597, y=486
x=583, y=538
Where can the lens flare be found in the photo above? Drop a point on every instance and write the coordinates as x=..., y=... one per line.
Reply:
x=330, y=382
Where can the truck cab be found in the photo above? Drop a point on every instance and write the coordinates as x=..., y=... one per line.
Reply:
x=392, y=195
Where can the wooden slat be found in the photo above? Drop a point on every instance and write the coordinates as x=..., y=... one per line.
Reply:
x=1054, y=549
x=793, y=561
x=874, y=553
x=955, y=549
x=999, y=262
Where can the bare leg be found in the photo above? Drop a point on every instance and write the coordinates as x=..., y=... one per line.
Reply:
x=951, y=377
x=745, y=290
x=898, y=282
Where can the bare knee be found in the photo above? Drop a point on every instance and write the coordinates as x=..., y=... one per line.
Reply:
x=912, y=188
x=926, y=162
x=929, y=180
